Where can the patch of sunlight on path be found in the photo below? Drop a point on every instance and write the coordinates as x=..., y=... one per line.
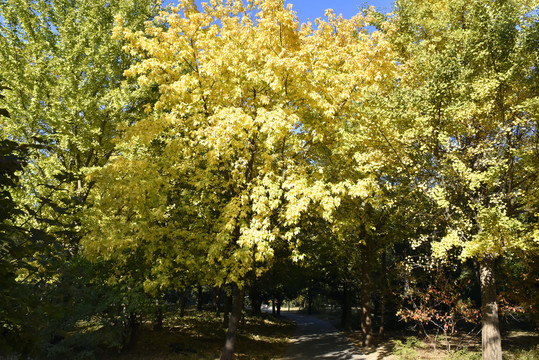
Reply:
x=318, y=339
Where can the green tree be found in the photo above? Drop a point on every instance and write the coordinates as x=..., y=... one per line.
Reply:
x=66, y=106
x=65, y=71
x=471, y=71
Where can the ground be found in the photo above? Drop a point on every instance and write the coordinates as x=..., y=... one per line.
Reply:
x=200, y=335
x=517, y=345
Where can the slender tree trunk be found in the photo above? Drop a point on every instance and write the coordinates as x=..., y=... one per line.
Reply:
x=309, y=301
x=226, y=311
x=130, y=332
x=215, y=300
x=383, y=290
x=279, y=304
x=490, y=333
x=346, y=310
x=158, y=321
x=199, y=298
x=273, y=312
x=366, y=311
x=218, y=309
x=183, y=300
x=233, y=324
x=256, y=300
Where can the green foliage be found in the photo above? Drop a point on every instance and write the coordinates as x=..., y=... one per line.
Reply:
x=139, y=157
x=13, y=295
x=465, y=354
x=62, y=105
x=407, y=350
x=523, y=354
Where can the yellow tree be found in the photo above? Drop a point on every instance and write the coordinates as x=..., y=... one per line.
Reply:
x=247, y=100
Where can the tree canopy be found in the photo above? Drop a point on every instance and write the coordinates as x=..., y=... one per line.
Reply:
x=150, y=150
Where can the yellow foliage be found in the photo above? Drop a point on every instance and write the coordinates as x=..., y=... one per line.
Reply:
x=245, y=94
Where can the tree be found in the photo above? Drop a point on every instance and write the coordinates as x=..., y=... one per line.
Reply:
x=466, y=64
x=65, y=72
x=66, y=107
x=245, y=98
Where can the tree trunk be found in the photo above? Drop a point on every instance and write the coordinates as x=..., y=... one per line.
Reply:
x=158, y=321
x=215, y=300
x=218, y=309
x=279, y=304
x=490, y=333
x=346, y=310
x=130, y=333
x=256, y=300
x=226, y=311
x=309, y=301
x=366, y=311
x=383, y=290
x=273, y=312
x=199, y=298
x=183, y=300
x=233, y=324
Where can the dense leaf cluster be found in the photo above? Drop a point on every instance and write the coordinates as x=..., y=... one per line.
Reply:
x=226, y=148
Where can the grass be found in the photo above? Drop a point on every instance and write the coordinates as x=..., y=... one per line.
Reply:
x=516, y=345
x=200, y=335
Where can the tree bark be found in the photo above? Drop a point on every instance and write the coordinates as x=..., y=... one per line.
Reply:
x=490, y=332
x=233, y=324
x=366, y=311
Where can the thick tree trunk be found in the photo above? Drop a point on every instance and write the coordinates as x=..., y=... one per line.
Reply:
x=233, y=324
x=366, y=311
x=490, y=333
x=346, y=309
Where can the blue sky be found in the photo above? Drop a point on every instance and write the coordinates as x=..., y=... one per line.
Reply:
x=312, y=9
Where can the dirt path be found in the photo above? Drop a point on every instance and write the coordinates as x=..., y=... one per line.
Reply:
x=318, y=339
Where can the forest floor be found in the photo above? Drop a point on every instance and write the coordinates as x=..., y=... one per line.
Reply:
x=201, y=335
x=397, y=345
